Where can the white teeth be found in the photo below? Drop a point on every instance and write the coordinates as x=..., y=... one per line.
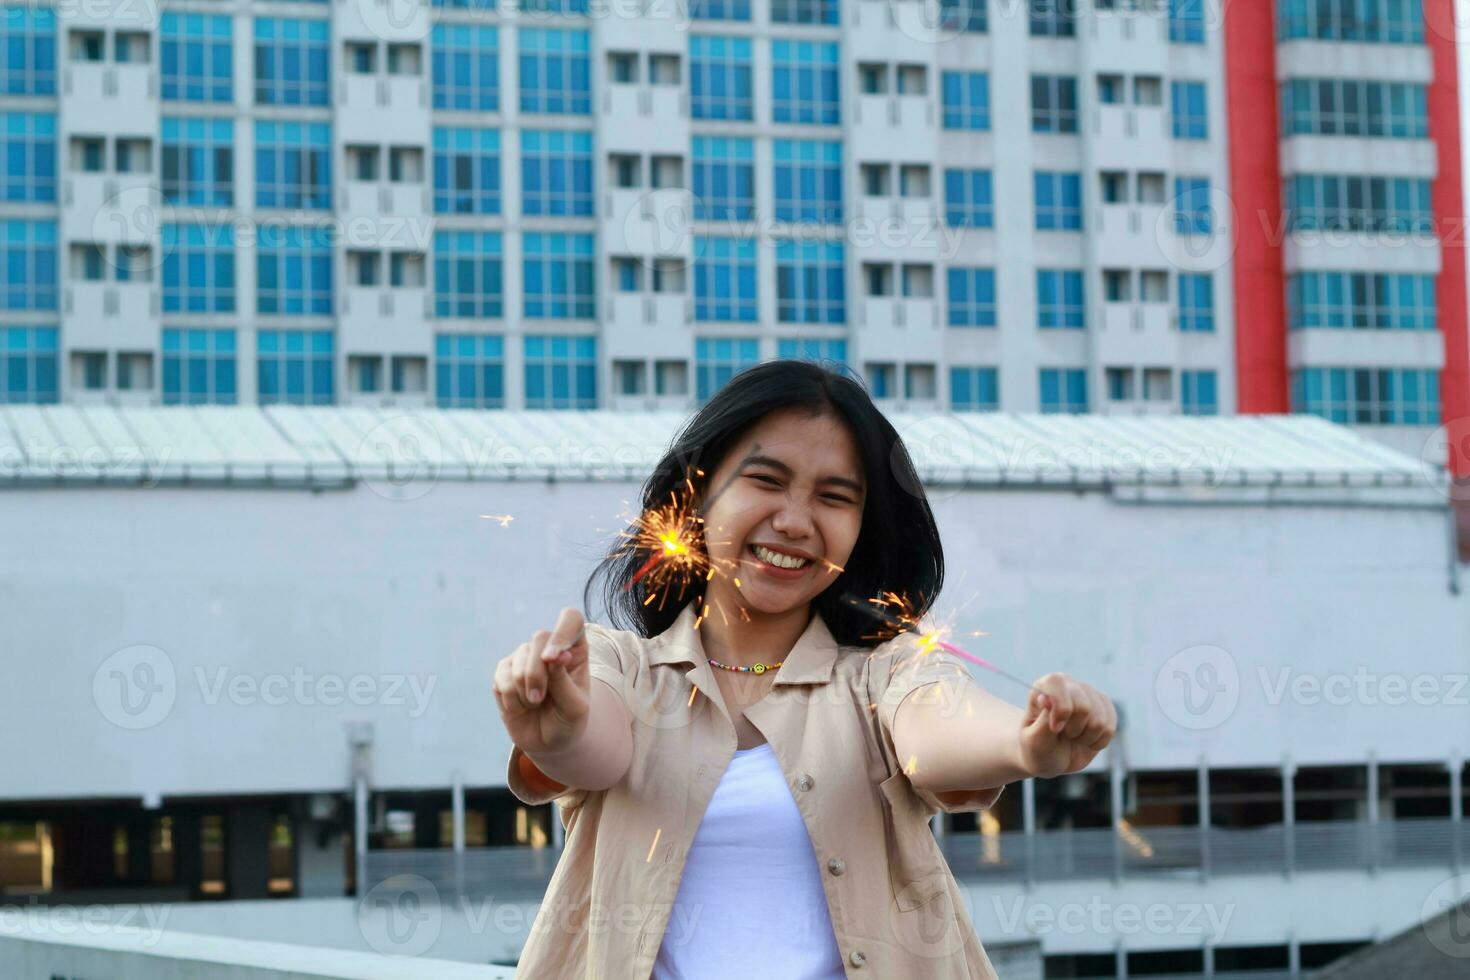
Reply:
x=779, y=560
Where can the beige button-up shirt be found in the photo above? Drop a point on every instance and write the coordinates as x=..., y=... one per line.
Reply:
x=896, y=909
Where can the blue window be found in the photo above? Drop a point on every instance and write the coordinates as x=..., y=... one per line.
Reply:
x=1053, y=104
x=974, y=389
x=466, y=67
x=28, y=35
x=28, y=365
x=804, y=11
x=469, y=370
x=968, y=16
x=1367, y=396
x=1354, y=107
x=810, y=282
x=1054, y=18
x=293, y=165
x=554, y=6
x=1361, y=301
x=293, y=367
x=555, y=71
x=466, y=171
x=718, y=359
x=199, y=367
x=829, y=352
x=966, y=99
x=196, y=63
x=1058, y=201
x=1060, y=301
x=198, y=269
x=30, y=262
x=808, y=180
x=724, y=179
x=1193, y=214
x=1188, y=111
x=467, y=274
x=1063, y=391
x=1372, y=21
x=291, y=62
x=1356, y=202
x=972, y=297
x=293, y=270
x=29, y=148
x=1197, y=395
x=804, y=82
x=199, y=161
x=719, y=78
x=719, y=10
x=1196, y=302
x=969, y=200
x=1187, y=21
x=561, y=372
x=556, y=173
x=558, y=276
x=724, y=279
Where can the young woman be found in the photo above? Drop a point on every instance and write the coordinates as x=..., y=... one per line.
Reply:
x=747, y=791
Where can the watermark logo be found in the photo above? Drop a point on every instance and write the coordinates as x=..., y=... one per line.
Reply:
x=401, y=916
x=405, y=454
x=135, y=688
x=1451, y=899
x=1446, y=445
x=1198, y=687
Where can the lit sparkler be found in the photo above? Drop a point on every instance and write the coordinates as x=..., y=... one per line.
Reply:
x=897, y=614
x=504, y=519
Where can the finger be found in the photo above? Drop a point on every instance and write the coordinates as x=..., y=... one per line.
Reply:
x=531, y=672
x=568, y=636
x=1055, y=686
x=1082, y=712
x=507, y=694
x=566, y=690
x=1035, y=704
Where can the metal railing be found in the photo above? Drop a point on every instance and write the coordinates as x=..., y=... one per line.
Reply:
x=523, y=872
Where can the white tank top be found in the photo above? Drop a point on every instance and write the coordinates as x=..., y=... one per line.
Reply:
x=750, y=902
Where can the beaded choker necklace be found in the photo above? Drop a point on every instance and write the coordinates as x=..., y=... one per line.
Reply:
x=754, y=669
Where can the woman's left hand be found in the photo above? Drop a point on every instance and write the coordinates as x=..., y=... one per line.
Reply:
x=1067, y=723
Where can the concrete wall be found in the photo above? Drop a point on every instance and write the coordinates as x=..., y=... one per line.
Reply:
x=209, y=641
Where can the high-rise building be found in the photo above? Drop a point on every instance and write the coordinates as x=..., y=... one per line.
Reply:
x=1033, y=205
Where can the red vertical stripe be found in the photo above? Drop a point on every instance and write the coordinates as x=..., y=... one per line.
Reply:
x=1253, y=108
x=1449, y=216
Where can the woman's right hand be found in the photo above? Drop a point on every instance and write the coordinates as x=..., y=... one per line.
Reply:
x=543, y=695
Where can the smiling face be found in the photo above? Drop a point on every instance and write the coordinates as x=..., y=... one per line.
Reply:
x=789, y=512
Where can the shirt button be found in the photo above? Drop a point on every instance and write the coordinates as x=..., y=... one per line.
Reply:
x=857, y=958
x=805, y=782
x=836, y=866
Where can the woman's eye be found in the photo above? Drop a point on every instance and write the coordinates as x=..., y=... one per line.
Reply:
x=767, y=479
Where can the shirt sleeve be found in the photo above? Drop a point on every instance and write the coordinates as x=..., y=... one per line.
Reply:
x=900, y=670
x=604, y=663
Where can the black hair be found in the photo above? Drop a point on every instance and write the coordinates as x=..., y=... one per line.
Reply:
x=897, y=548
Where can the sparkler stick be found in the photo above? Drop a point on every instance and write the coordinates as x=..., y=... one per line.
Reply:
x=907, y=622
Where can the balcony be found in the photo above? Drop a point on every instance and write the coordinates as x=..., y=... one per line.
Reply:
x=104, y=98
x=511, y=873
x=652, y=325
x=110, y=208
x=393, y=319
x=649, y=119
x=649, y=222
x=1137, y=333
x=111, y=314
x=388, y=204
x=894, y=127
x=382, y=109
x=891, y=328
x=1130, y=137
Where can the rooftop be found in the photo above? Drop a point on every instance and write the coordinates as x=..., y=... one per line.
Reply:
x=333, y=447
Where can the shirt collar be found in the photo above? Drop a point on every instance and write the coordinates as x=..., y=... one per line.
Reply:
x=809, y=662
